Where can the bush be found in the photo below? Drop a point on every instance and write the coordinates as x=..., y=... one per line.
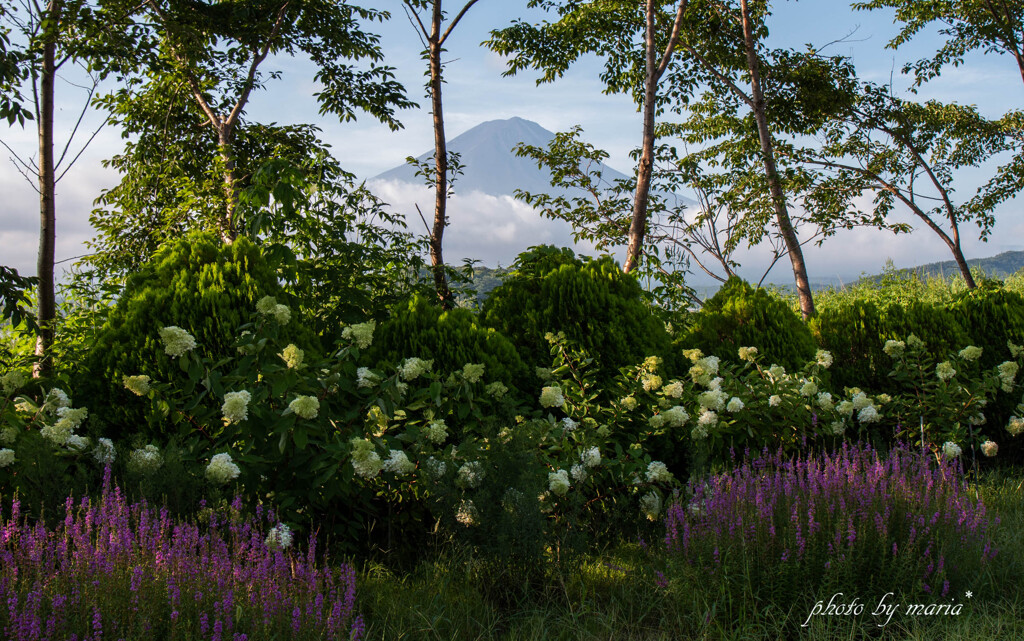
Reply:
x=451, y=339
x=739, y=315
x=590, y=301
x=196, y=283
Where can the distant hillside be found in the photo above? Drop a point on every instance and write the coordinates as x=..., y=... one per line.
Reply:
x=998, y=266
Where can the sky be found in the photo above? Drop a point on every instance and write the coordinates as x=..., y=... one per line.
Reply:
x=494, y=230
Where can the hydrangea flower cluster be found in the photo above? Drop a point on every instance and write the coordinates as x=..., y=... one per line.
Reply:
x=552, y=397
x=1015, y=426
x=6, y=457
x=222, y=469
x=413, y=368
x=591, y=457
x=558, y=482
x=138, y=385
x=823, y=358
x=1007, y=374
x=306, y=407
x=470, y=475
x=658, y=472
x=398, y=463
x=365, y=460
x=651, y=382
x=497, y=389
x=365, y=378
x=989, y=448
x=970, y=353
x=747, y=353
x=145, y=460
x=894, y=348
x=437, y=431
x=808, y=389
x=361, y=333
x=676, y=416
x=951, y=449
x=176, y=341
x=268, y=306
x=650, y=505
x=292, y=356
x=704, y=368
x=472, y=372
x=467, y=514
x=236, y=407
x=13, y=380
x=63, y=429
x=945, y=371
x=279, y=537
x=734, y=404
x=673, y=390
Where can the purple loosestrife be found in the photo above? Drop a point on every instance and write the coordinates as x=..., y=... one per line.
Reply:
x=117, y=571
x=792, y=523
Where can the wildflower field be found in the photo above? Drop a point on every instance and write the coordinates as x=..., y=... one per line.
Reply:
x=414, y=476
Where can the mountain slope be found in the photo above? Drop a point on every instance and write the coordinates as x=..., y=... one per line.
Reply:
x=490, y=166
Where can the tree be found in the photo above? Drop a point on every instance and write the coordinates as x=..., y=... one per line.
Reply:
x=911, y=154
x=55, y=34
x=993, y=26
x=608, y=29
x=433, y=39
x=210, y=54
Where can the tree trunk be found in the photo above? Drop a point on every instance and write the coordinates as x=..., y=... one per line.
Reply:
x=46, y=310
x=638, y=226
x=796, y=256
x=225, y=141
x=440, y=162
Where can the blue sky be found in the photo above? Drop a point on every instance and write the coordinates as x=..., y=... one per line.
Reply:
x=476, y=92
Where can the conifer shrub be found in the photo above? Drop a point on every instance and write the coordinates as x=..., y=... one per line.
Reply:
x=451, y=339
x=991, y=315
x=591, y=301
x=739, y=315
x=197, y=283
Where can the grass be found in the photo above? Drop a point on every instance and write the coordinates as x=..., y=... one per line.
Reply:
x=614, y=595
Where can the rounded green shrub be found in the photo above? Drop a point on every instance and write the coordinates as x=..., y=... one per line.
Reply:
x=591, y=301
x=739, y=315
x=198, y=283
x=451, y=339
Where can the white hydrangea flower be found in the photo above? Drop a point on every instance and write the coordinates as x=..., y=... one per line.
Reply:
x=673, y=389
x=497, y=389
x=145, y=460
x=543, y=373
x=945, y=371
x=265, y=306
x=279, y=537
x=777, y=372
x=552, y=397
x=365, y=378
x=77, y=443
x=951, y=449
x=735, y=404
x=628, y=403
x=360, y=333
x=437, y=431
x=1007, y=374
x=398, y=463
x=650, y=505
x=578, y=472
x=846, y=407
x=838, y=427
x=236, y=407
x=825, y=401
x=651, y=382
x=292, y=356
x=808, y=389
x=823, y=358
x=860, y=400
x=989, y=448
x=569, y=425
x=472, y=372
x=676, y=416
x=222, y=469
x=658, y=472
x=104, y=452
x=977, y=419
x=894, y=348
x=591, y=457
x=436, y=468
x=970, y=353
x=657, y=421
x=305, y=406
x=470, y=475
x=368, y=466
x=712, y=399
x=176, y=341
x=467, y=513
x=868, y=415
x=1016, y=351
x=699, y=432
x=1015, y=426
x=138, y=385
x=282, y=314
x=711, y=363
x=914, y=342
x=774, y=400
x=413, y=368
x=59, y=398
x=708, y=418
x=693, y=354
x=747, y=353
x=13, y=380
x=8, y=434
x=558, y=482
x=7, y=457
x=699, y=374
x=58, y=433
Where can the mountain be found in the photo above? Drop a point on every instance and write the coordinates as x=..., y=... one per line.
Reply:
x=490, y=166
x=998, y=266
